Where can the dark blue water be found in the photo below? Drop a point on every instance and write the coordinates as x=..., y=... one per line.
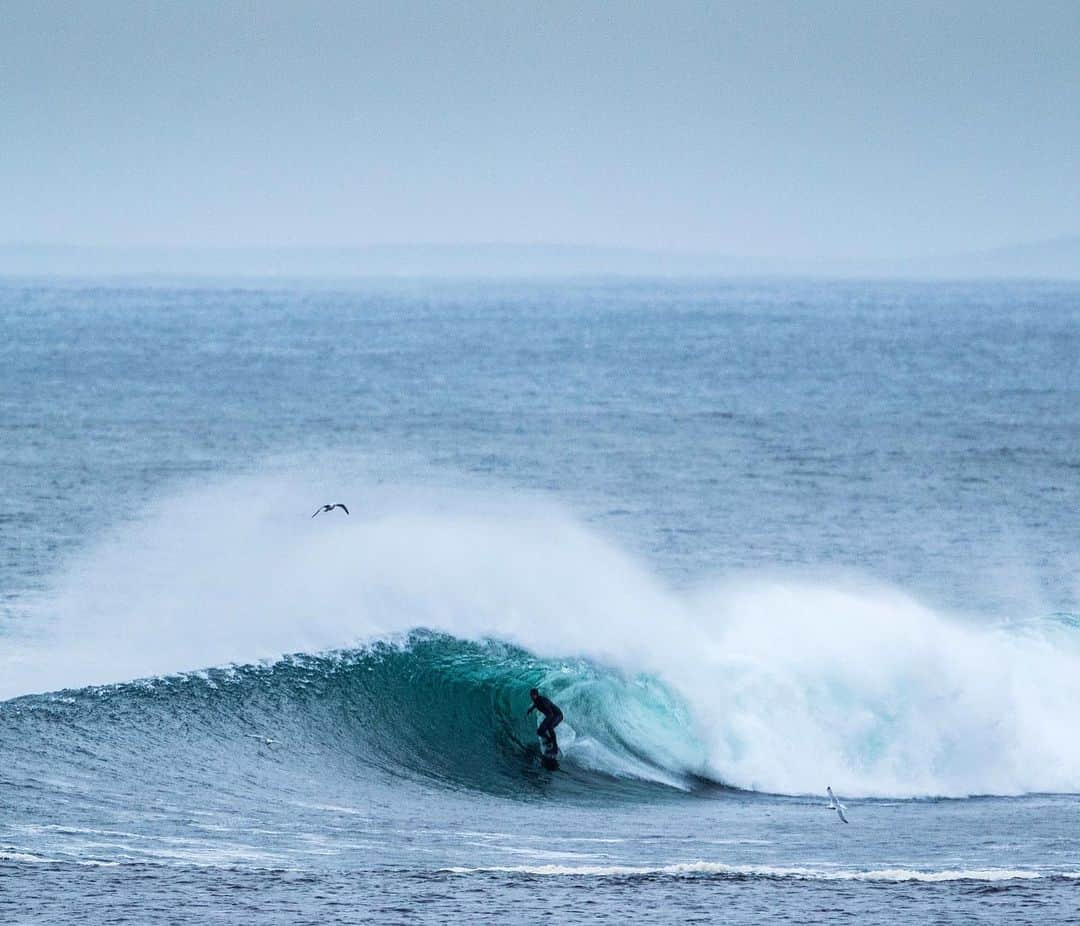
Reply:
x=755, y=539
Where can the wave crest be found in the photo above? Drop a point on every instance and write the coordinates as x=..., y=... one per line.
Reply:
x=767, y=683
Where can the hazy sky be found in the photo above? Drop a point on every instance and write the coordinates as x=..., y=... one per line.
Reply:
x=758, y=128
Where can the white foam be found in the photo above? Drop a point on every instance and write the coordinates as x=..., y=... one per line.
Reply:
x=790, y=685
x=692, y=869
x=32, y=859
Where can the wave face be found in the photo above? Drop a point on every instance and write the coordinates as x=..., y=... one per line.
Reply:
x=769, y=684
x=428, y=707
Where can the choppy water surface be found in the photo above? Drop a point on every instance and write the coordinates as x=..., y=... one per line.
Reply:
x=754, y=539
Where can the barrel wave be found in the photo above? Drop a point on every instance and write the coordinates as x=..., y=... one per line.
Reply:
x=401, y=642
x=429, y=708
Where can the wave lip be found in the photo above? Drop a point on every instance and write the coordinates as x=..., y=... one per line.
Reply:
x=425, y=706
x=768, y=684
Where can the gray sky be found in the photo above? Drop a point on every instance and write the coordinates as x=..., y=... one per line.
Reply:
x=760, y=128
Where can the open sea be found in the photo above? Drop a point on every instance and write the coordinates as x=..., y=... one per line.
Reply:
x=754, y=538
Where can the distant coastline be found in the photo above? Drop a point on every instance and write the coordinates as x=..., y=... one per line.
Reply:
x=1056, y=259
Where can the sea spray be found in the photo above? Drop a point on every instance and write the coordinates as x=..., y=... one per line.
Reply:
x=773, y=684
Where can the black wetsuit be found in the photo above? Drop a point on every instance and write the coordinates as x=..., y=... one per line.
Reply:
x=552, y=718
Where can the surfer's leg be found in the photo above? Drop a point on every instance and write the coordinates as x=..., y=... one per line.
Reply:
x=554, y=741
x=546, y=732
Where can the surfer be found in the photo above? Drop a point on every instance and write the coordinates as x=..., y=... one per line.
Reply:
x=552, y=718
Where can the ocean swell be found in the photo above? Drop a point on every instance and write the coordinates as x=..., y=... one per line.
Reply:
x=765, y=683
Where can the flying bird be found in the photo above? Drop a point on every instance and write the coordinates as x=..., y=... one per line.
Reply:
x=331, y=508
x=834, y=804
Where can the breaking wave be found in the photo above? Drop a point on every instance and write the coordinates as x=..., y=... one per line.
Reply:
x=426, y=617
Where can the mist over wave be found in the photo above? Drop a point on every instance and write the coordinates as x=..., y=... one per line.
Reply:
x=764, y=683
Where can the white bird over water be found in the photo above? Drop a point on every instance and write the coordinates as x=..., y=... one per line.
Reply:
x=834, y=804
x=331, y=508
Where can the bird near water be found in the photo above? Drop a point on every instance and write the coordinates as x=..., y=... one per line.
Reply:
x=834, y=804
x=331, y=508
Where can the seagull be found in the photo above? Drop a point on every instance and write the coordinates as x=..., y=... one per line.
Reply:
x=834, y=804
x=331, y=508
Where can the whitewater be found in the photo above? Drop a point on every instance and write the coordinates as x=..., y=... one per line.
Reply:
x=754, y=539
x=758, y=683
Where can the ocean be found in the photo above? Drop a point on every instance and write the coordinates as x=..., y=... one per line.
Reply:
x=755, y=538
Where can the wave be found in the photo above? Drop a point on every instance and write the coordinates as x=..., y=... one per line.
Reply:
x=29, y=858
x=674, y=871
x=427, y=706
x=771, y=872
x=766, y=683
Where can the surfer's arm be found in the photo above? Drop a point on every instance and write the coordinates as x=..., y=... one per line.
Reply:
x=530, y=710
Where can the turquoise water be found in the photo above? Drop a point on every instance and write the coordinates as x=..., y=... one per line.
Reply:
x=754, y=538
